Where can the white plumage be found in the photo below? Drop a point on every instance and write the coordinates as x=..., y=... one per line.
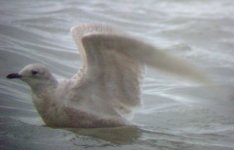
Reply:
x=106, y=88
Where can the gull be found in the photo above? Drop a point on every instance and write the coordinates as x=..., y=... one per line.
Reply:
x=106, y=88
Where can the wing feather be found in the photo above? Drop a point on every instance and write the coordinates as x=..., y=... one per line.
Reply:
x=112, y=61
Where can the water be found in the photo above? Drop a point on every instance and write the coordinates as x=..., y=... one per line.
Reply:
x=176, y=114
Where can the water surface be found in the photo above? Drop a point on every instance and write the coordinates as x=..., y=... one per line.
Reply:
x=176, y=114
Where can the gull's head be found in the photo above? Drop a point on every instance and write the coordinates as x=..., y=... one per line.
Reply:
x=35, y=75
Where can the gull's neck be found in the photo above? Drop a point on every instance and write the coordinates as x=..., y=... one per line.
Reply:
x=45, y=85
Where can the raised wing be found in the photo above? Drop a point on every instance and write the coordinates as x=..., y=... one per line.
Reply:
x=112, y=63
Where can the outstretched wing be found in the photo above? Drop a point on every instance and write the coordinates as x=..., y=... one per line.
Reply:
x=112, y=62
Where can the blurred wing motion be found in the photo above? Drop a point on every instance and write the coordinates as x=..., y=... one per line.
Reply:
x=111, y=66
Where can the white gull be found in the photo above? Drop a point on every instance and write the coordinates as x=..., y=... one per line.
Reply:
x=106, y=88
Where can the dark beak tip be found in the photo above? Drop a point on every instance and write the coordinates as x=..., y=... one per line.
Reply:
x=13, y=76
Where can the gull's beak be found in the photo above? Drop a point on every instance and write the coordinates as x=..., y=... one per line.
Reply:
x=13, y=76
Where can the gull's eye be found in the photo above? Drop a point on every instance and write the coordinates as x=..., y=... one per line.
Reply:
x=34, y=72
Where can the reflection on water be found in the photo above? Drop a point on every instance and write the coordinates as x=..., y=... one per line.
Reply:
x=18, y=135
x=175, y=115
x=117, y=135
